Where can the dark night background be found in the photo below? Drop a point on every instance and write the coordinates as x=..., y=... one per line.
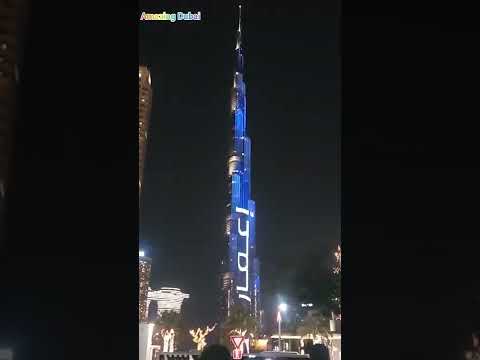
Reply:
x=409, y=164
x=293, y=102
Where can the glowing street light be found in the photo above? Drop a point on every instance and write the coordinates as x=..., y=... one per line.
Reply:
x=281, y=308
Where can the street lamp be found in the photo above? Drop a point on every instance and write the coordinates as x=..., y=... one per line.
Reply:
x=281, y=307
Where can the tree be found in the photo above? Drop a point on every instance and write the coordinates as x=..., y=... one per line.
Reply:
x=240, y=319
x=169, y=320
x=314, y=323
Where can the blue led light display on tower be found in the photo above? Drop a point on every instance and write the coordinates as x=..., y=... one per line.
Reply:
x=241, y=279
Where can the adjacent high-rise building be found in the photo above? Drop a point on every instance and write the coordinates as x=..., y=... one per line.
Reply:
x=144, y=106
x=144, y=270
x=240, y=273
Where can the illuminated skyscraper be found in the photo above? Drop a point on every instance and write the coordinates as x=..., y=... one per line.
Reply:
x=144, y=106
x=144, y=270
x=240, y=279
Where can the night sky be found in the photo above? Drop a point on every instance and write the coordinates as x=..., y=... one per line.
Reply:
x=293, y=85
x=409, y=170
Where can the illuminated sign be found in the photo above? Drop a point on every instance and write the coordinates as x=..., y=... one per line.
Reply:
x=243, y=268
x=237, y=341
x=307, y=305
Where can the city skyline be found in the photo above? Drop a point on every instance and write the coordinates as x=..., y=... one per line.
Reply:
x=291, y=132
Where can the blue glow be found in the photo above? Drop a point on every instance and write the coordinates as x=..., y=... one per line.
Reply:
x=241, y=240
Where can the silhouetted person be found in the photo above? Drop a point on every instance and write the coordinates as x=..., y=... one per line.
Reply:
x=215, y=352
x=319, y=352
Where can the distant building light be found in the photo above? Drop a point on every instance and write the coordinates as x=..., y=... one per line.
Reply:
x=141, y=253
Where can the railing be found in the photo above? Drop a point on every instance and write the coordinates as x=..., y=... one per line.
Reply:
x=158, y=355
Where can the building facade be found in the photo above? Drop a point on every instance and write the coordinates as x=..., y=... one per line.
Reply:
x=167, y=299
x=144, y=270
x=144, y=107
x=240, y=272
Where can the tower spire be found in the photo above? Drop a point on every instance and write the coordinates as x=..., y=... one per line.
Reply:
x=239, y=18
x=239, y=30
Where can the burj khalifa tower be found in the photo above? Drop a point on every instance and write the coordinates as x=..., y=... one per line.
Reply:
x=240, y=273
